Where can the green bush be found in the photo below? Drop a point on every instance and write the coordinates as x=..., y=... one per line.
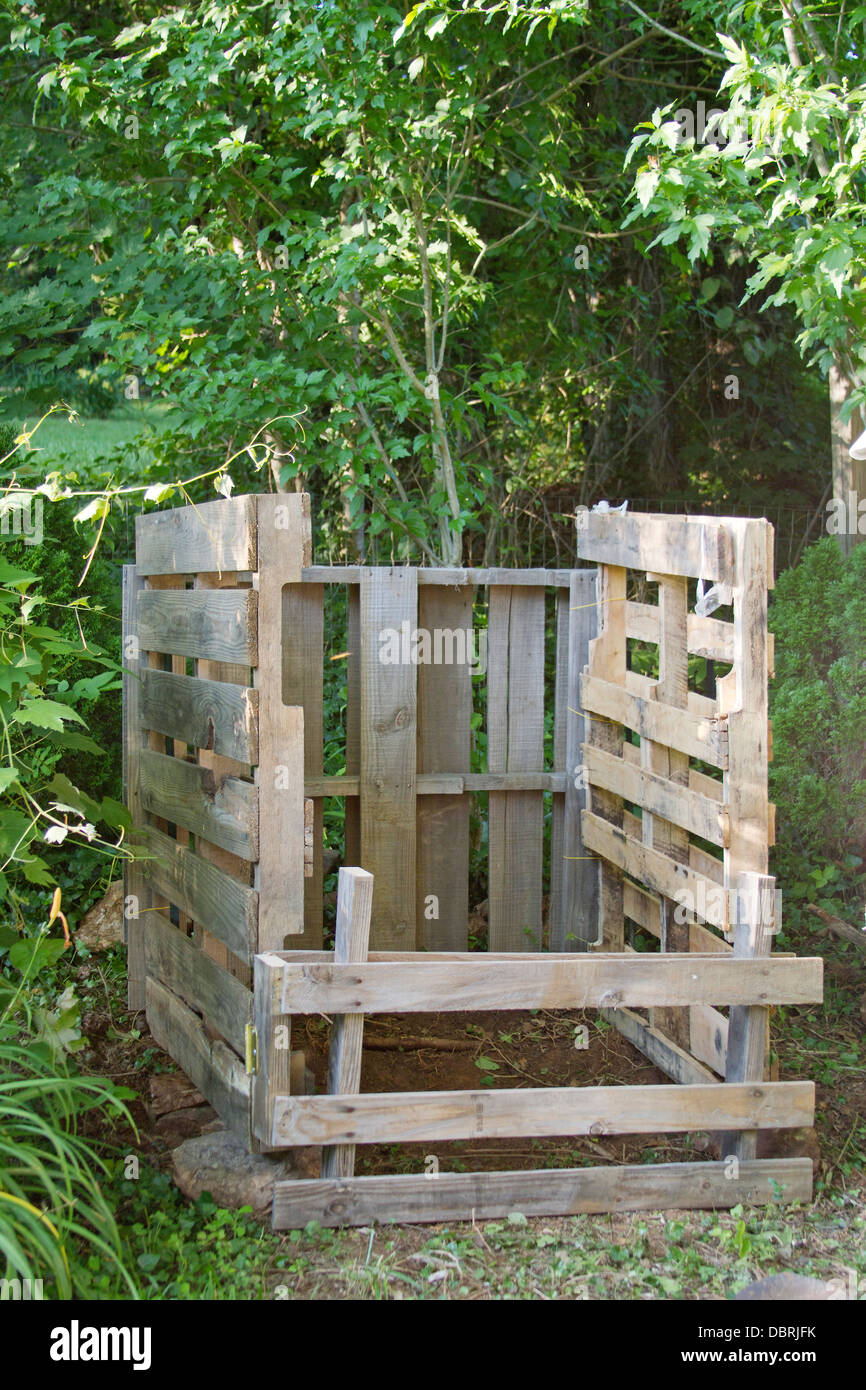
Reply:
x=818, y=708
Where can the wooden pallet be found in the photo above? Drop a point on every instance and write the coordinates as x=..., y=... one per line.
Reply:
x=658, y=791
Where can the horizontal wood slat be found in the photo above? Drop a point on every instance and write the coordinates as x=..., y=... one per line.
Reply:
x=659, y=1049
x=707, y=637
x=698, y=895
x=210, y=1065
x=214, y=625
x=548, y=1192
x=412, y=1116
x=683, y=545
x=198, y=980
x=211, y=536
x=215, y=715
x=215, y=900
x=657, y=794
x=188, y=795
x=695, y=735
x=455, y=578
x=447, y=783
x=580, y=982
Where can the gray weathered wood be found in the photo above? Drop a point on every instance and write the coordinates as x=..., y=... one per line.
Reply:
x=136, y=890
x=548, y=1192
x=284, y=546
x=445, y=577
x=607, y=659
x=580, y=981
x=210, y=536
x=389, y=598
x=303, y=672
x=515, y=743
x=174, y=960
x=219, y=902
x=579, y=871
x=203, y=713
x=352, y=845
x=679, y=545
x=210, y=1065
x=409, y=1117
x=560, y=744
x=691, y=733
x=748, y=1026
x=674, y=1061
x=273, y=1031
x=444, y=735
x=188, y=795
x=351, y=938
x=221, y=625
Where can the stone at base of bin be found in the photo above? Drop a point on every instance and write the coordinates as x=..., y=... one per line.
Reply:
x=220, y=1163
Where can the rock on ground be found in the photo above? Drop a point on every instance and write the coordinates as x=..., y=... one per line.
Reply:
x=220, y=1164
x=102, y=926
x=785, y=1287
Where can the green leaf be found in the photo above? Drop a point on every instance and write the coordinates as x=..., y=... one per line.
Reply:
x=486, y=1064
x=45, y=714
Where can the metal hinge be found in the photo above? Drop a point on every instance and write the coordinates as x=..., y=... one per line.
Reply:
x=251, y=1046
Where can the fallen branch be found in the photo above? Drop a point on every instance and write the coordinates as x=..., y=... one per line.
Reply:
x=838, y=927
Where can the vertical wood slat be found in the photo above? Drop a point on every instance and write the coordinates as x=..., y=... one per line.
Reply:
x=389, y=599
x=560, y=744
x=579, y=872
x=284, y=547
x=607, y=654
x=515, y=743
x=303, y=666
x=444, y=740
x=352, y=841
x=743, y=697
x=221, y=767
x=136, y=886
x=351, y=942
x=747, y=1023
x=672, y=688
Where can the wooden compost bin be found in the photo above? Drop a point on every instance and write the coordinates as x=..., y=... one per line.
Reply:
x=660, y=820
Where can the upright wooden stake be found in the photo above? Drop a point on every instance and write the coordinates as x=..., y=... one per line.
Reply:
x=351, y=940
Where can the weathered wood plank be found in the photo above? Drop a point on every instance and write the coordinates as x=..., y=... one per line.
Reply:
x=561, y=719
x=219, y=902
x=284, y=546
x=352, y=845
x=447, y=783
x=659, y=1049
x=709, y=901
x=634, y=980
x=445, y=577
x=272, y=1075
x=748, y=1026
x=351, y=938
x=187, y=795
x=444, y=745
x=211, y=1066
x=708, y=1036
x=224, y=1003
x=515, y=743
x=579, y=874
x=657, y=794
x=695, y=735
x=607, y=660
x=547, y=1192
x=202, y=713
x=136, y=891
x=210, y=536
x=677, y=545
x=389, y=598
x=303, y=675
x=221, y=625
x=407, y=1117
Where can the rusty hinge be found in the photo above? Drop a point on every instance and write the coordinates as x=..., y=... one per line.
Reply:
x=251, y=1050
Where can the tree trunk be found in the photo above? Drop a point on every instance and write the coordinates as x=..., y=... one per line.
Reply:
x=849, y=475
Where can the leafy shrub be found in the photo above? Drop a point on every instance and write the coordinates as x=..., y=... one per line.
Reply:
x=818, y=708
x=51, y=1203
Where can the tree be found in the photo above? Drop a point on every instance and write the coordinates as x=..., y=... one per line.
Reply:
x=778, y=177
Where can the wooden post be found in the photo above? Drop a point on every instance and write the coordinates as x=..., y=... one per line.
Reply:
x=747, y=1025
x=607, y=654
x=351, y=940
x=137, y=893
x=579, y=870
x=283, y=549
